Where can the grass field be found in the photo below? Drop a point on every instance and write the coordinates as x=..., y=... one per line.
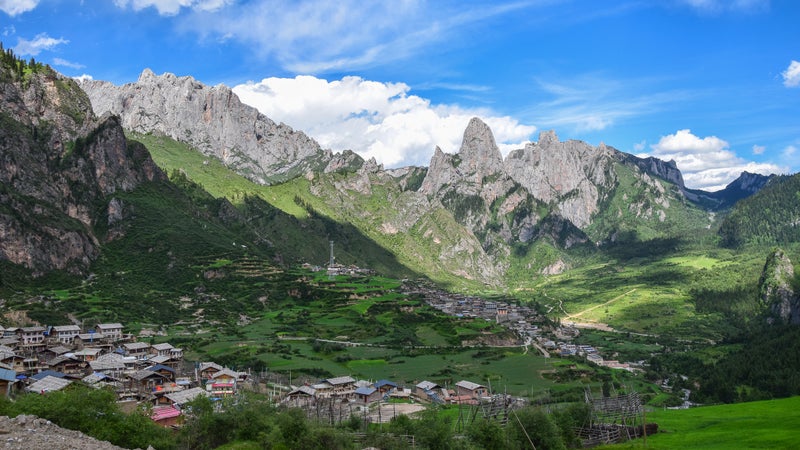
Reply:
x=767, y=424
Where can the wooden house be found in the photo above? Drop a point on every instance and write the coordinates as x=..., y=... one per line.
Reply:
x=8, y=380
x=180, y=398
x=166, y=416
x=88, y=354
x=70, y=365
x=223, y=383
x=385, y=386
x=207, y=370
x=162, y=349
x=140, y=350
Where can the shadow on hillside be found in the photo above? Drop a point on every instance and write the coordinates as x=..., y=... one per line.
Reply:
x=308, y=240
x=651, y=249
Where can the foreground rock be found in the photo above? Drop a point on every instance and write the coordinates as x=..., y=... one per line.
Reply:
x=32, y=433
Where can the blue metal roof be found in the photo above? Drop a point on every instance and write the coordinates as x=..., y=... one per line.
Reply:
x=8, y=375
x=46, y=373
x=366, y=390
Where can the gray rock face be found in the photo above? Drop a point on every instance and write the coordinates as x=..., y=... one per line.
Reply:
x=777, y=293
x=213, y=120
x=569, y=175
x=59, y=165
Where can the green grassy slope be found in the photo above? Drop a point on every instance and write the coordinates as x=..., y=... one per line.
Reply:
x=768, y=424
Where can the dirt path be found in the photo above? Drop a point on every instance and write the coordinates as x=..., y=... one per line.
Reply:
x=578, y=314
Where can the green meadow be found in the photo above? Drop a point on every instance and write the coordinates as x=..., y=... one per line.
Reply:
x=770, y=424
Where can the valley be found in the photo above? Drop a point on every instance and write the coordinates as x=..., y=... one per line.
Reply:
x=560, y=272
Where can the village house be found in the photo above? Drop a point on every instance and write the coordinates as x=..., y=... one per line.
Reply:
x=367, y=395
x=65, y=333
x=301, y=396
x=429, y=391
x=385, y=386
x=473, y=390
x=336, y=387
x=163, y=349
x=166, y=371
x=223, y=383
x=88, y=354
x=31, y=336
x=69, y=365
x=112, y=331
x=145, y=381
x=176, y=354
x=139, y=350
x=52, y=352
x=8, y=379
x=180, y=398
x=207, y=370
x=10, y=332
x=166, y=416
x=82, y=340
x=110, y=364
x=48, y=384
x=9, y=358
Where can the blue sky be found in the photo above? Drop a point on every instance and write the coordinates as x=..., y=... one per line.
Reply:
x=712, y=84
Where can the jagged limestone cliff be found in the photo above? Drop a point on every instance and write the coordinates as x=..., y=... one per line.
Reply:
x=215, y=122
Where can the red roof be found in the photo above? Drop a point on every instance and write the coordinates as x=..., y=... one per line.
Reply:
x=166, y=412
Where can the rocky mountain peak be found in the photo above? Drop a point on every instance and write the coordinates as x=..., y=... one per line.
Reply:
x=547, y=138
x=479, y=153
x=213, y=120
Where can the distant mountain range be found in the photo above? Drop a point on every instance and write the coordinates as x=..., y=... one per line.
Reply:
x=471, y=215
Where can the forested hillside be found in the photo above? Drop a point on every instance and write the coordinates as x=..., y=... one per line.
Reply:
x=770, y=216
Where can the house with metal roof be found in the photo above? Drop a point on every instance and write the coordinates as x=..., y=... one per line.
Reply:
x=367, y=395
x=65, y=333
x=48, y=384
x=110, y=330
x=8, y=379
x=471, y=389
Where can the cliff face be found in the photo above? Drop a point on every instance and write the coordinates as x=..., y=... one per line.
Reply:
x=777, y=292
x=214, y=121
x=59, y=169
x=572, y=176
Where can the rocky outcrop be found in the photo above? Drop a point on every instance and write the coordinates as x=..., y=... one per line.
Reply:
x=60, y=167
x=214, y=121
x=571, y=176
x=776, y=290
x=26, y=432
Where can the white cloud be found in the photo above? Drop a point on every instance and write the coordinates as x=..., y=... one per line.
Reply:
x=317, y=36
x=758, y=149
x=791, y=76
x=36, y=45
x=8, y=31
x=707, y=163
x=639, y=146
x=65, y=63
x=14, y=7
x=84, y=77
x=173, y=7
x=592, y=102
x=374, y=119
x=789, y=151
